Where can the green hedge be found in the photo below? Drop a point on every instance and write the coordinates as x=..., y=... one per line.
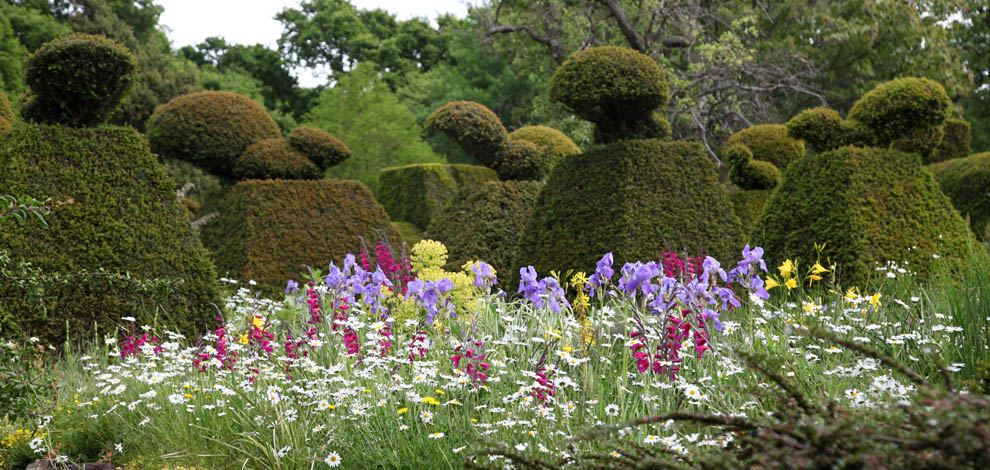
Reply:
x=210, y=129
x=955, y=141
x=6, y=109
x=270, y=229
x=868, y=206
x=633, y=198
x=274, y=159
x=486, y=224
x=125, y=218
x=418, y=193
x=967, y=182
x=323, y=149
x=554, y=144
x=78, y=80
x=748, y=204
x=474, y=127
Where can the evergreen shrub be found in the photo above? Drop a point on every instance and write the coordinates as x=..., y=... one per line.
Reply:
x=210, y=129
x=955, y=141
x=474, y=127
x=967, y=182
x=125, y=218
x=323, y=149
x=554, y=145
x=270, y=230
x=274, y=159
x=418, y=193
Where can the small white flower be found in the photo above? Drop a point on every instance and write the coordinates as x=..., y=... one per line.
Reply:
x=436, y=435
x=130, y=319
x=119, y=447
x=333, y=460
x=612, y=410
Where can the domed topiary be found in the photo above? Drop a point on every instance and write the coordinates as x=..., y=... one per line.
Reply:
x=821, y=128
x=755, y=174
x=955, y=141
x=521, y=160
x=898, y=107
x=868, y=206
x=610, y=84
x=769, y=143
x=274, y=159
x=210, y=129
x=486, y=224
x=553, y=143
x=321, y=148
x=78, y=80
x=967, y=182
x=923, y=141
x=474, y=127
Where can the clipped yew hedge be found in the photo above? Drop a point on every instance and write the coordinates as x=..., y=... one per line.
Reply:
x=124, y=218
x=270, y=230
x=967, y=182
x=274, y=159
x=418, y=193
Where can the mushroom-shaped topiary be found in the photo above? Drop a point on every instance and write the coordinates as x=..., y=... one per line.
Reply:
x=210, y=129
x=474, y=127
x=78, y=80
x=274, y=159
x=769, y=143
x=821, y=128
x=323, y=149
x=554, y=144
x=613, y=87
x=897, y=108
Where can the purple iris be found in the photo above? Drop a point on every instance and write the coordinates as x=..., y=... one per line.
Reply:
x=712, y=315
x=638, y=276
x=335, y=278
x=529, y=287
x=603, y=273
x=710, y=266
x=555, y=295
x=428, y=295
x=292, y=287
x=750, y=257
x=484, y=275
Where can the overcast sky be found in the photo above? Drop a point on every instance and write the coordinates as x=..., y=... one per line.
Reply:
x=252, y=21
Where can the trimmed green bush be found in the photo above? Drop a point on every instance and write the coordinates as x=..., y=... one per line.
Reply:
x=78, y=80
x=270, y=230
x=769, y=143
x=610, y=84
x=967, y=182
x=554, y=144
x=755, y=175
x=274, y=159
x=6, y=110
x=922, y=141
x=418, y=193
x=474, y=127
x=323, y=149
x=486, y=224
x=521, y=160
x=820, y=128
x=955, y=141
x=632, y=198
x=868, y=206
x=125, y=218
x=208, y=189
x=748, y=204
x=210, y=129
x=896, y=108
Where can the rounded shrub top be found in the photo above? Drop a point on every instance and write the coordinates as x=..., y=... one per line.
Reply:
x=473, y=126
x=210, y=129
x=554, y=144
x=274, y=159
x=610, y=83
x=521, y=160
x=956, y=141
x=769, y=143
x=896, y=108
x=78, y=80
x=322, y=148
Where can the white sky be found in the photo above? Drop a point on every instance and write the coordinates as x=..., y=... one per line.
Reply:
x=189, y=22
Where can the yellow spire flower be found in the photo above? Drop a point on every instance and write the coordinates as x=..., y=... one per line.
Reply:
x=818, y=268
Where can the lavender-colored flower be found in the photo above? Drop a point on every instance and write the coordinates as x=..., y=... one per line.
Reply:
x=728, y=297
x=756, y=288
x=710, y=266
x=750, y=258
x=484, y=275
x=603, y=273
x=335, y=278
x=638, y=276
x=292, y=287
x=529, y=287
x=550, y=288
x=429, y=295
x=712, y=316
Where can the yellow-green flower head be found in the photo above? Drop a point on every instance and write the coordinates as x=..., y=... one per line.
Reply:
x=428, y=254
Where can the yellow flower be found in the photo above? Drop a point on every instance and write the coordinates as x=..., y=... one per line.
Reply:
x=403, y=410
x=787, y=268
x=808, y=307
x=771, y=283
x=851, y=295
x=875, y=300
x=818, y=269
x=258, y=322
x=440, y=392
x=244, y=339
x=813, y=278
x=791, y=283
x=431, y=401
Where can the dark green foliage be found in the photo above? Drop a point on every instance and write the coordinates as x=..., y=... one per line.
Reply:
x=748, y=204
x=610, y=85
x=6, y=110
x=78, y=80
x=274, y=159
x=769, y=143
x=486, y=224
x=553, y=143
x=192, y=207
x=474, y=127
x=210, y=129
x=896, y=108
x=955, y=141
x=323, y=149
x=868, y=206
x=521, y=160
x=205, y=189
x=755, y=175
x=922, y=141
x=633, y=198
x=967, y=182
x=820, y=128
x=418, y=193
x=270, y=230
x=124, y=218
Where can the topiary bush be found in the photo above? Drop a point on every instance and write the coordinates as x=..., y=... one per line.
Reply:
x=6, y=113
x=323, y=149
x=632, y=198
x=486, y=224
x=967, y=182
x=868, y=206
x=474, y=127
x=748, y=204
x=418, y=193
x=77, y=80
x=521, y=160
x=125, y=218
x=769, y=143
x=955, y=142
x=553, y=143
x=271, y=229
x=210, y=129
x=274, y=159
